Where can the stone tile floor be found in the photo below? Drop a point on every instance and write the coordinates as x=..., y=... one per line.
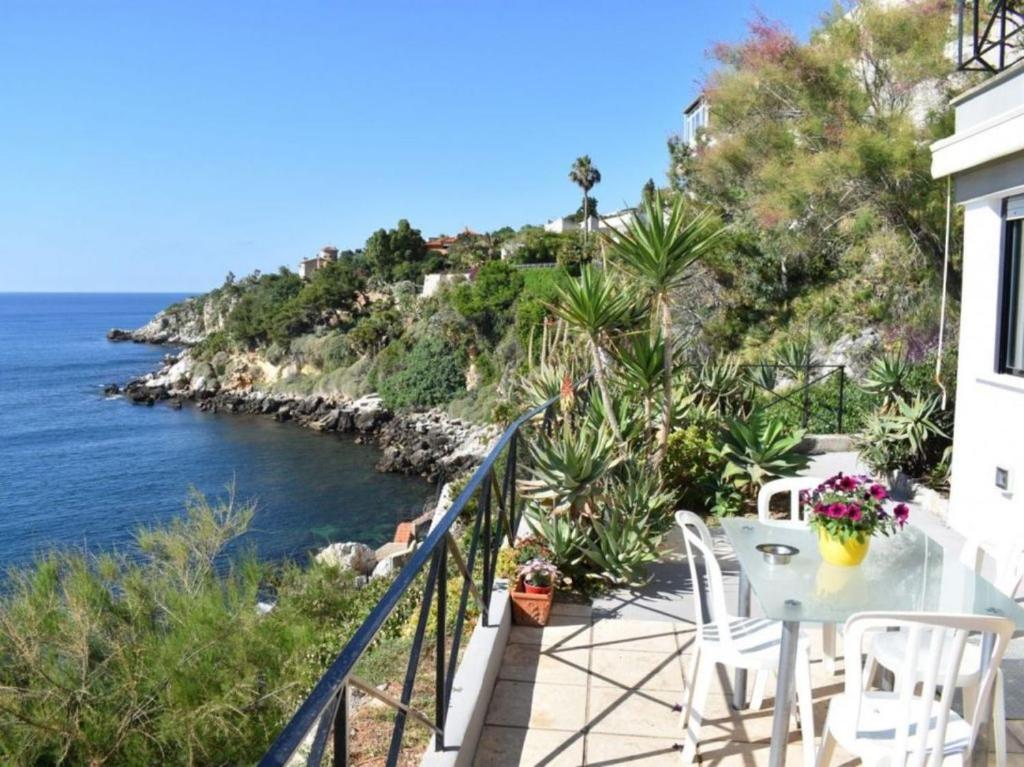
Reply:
x=591, y=690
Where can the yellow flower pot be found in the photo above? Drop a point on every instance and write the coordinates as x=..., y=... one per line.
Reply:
x=842, y=553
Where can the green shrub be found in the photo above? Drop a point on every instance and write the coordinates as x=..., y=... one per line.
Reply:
x=823, y=404
x=485, y=301
x=693, y=465
x=160, y=656
x=213, y=344
x=430, y=374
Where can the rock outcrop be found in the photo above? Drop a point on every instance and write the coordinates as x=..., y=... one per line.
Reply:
x=184, y=323
x=351, y=555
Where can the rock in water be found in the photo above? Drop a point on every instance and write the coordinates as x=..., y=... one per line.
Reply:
x=354, y=556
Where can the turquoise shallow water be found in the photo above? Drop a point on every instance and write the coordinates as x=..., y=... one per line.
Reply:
x=78, y=468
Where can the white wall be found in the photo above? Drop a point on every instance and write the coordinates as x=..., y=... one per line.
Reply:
x=989, y=428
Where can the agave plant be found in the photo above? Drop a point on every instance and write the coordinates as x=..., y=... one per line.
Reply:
x=564, y=537
x=796, y=357
x=911, y=438
x=887, y=377
x=719, y=385
x=564, y=469
x=622, y=546
x=641, y=493
x=757, y=449
x=762, y=376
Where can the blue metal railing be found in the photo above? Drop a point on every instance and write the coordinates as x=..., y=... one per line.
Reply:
x=324, y=715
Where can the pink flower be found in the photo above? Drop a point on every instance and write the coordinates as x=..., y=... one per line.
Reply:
x=847, y=483
x=878, y=492
x=853, y=512
x=901, y=513
x=837, y=510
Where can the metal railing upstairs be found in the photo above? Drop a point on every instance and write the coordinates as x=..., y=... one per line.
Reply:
x=320, y=727
x=990, y=34
x=809, y=377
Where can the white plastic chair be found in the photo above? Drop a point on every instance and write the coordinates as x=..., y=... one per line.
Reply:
x=889, y=649
x=792, y=485
x=749, y=643
x=903, y=728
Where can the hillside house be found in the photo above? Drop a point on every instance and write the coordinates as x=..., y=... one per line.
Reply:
x=307, y=267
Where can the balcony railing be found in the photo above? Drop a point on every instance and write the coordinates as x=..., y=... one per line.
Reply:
x=320, y=727
x=989, y=34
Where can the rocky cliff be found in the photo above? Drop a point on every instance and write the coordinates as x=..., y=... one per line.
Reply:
x=184, y=323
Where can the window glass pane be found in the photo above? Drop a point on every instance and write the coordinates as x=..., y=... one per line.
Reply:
x=1014, y=330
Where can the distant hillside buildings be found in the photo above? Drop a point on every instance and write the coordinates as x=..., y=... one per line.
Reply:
x=327, y=254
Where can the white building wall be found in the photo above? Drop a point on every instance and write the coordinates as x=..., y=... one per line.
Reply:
x=989, y=405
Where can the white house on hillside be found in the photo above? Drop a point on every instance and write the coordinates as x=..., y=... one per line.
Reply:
x=985, y=159
x=617, y=220
x=308, y=266
x=695, y=119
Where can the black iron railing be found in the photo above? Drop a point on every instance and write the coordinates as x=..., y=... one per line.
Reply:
x=989, y=34
x=323, y=718
x=807, y=378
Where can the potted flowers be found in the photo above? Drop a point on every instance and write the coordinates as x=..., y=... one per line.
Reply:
x=533, y=593
x=846, y=511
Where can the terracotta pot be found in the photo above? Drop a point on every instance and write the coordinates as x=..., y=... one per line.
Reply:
x=531, y=589
x=531, y=608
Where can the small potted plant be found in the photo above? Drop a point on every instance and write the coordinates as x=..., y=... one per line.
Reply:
x=533, y=593
x=846, y=511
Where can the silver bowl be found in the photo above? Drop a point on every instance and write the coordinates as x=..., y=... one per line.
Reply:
x=777, y=553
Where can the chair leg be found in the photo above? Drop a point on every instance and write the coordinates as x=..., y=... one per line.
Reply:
x=828, y=748
x=698, y=703
x=805, y=705
x=691, y=675
x=828, y=647
x=970, y=702
x=757, y=693
x=999, y=720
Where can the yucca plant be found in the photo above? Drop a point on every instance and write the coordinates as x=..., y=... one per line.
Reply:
x=641, y=362
x=886, y=377
x=597, y=308
x=658, y=250
x=763, y=376
x=757, y=449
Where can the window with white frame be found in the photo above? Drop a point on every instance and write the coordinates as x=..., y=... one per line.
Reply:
x=695, y=120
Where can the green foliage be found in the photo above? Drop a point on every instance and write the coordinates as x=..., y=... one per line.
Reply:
x=693, y=465
x=213, y=344
x=912, y=437
x=487, y=298
x=565, y=468
x=267, y=310
x=563, y=537
x=757, y=449
x=622, y=545
x=887, y=377
x=160, y=656
x=430, y=374
x=822, y=406
x=400, y=254
x=374, y=331
x=820, y=160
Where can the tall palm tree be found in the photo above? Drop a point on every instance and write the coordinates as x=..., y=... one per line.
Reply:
x=658, y=249
x=595, y=306
x=586, y=176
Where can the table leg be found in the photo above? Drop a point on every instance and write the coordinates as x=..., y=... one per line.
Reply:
x=980, y=754
x=784, y=692
x=739, y=687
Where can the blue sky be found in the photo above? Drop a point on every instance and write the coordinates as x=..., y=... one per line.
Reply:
x=154, y=146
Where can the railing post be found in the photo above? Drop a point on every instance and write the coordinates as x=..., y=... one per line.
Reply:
x=485, y=502
x=440, y=698
x=807, y=394
x=842, y=388
x=341, y=728
x=510, y=474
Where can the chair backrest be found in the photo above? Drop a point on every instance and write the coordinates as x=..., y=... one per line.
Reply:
x=940, y=638
x=792, y=485
x=698, y=541
x=1009, y=562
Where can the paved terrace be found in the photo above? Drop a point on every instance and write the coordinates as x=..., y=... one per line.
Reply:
x=597, y=686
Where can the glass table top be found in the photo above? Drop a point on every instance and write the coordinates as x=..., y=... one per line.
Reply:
x=907, y=572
